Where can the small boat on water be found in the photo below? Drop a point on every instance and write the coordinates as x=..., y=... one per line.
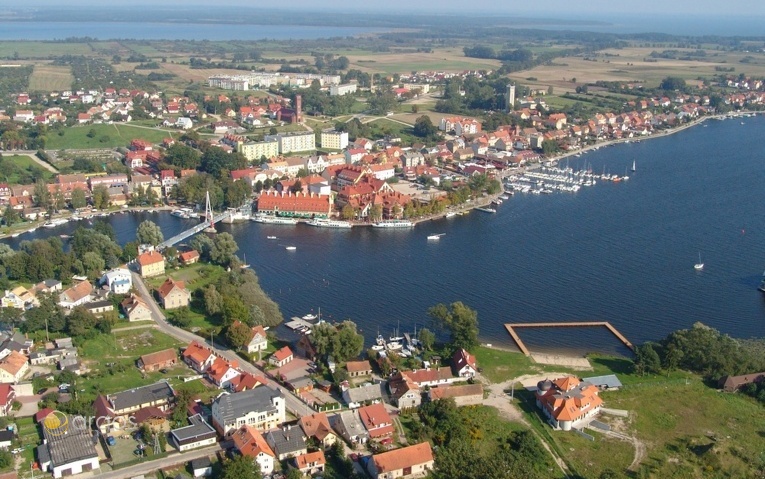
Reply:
x=271, y=237
x=633, y=164
x=310, y=317
x=761, y=287
x=436, y=236
x=451, y=214
x=487, y=210
x=699, y=266
x=64, y=237
x=290, y=248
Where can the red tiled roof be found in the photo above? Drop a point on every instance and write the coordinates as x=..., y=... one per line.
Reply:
x=376, y=419
x=250, y=443
x=402, y=458
x=283, y=353
x=169, y=285
x=150, y=257
x=160, y=357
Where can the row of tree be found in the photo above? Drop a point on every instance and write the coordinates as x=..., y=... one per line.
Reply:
x=702, y=350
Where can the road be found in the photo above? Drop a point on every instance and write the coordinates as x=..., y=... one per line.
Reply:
x=294, y=405
x=153, y=466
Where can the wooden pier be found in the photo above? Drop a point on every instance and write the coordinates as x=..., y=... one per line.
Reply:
x=578, y=324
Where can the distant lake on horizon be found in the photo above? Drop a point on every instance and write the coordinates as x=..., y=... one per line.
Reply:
x=617, y=252
x=172, y=31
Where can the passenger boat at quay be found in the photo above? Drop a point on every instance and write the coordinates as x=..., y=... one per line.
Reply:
x=393, y=224
x=487, y=210
x=273, y=220
x=327, y=223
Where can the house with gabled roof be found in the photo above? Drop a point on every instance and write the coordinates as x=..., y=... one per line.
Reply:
x=7, y=396
x=221, y=372
x=76, y=295
x=197, y=357
x=281, y=357
x=173, y=294
x=463, y=364
x=135, y=308
x=567, y=401
x=358, y=368
x=13, y=367
x=251, y=443
x=377, y=421
x=287, y=441
x=404, y=392
x=155, y=361
x=410, y=461
x=151, y=263
x=463, y=394
x=246, y=381
x=310, y=463
x=348, y=426
x=317, y=426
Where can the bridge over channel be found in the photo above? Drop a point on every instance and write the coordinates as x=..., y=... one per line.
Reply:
x=194, y=230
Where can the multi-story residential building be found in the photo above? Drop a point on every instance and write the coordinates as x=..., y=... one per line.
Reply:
x=151, y=263
x=298, y=141
x=257, y=150
x=262, y=408
x=342, y=89
x=334, y=140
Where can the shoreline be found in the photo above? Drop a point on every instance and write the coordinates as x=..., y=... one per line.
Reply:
x=462, y=209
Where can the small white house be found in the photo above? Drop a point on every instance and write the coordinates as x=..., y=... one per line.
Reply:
x=118, y=280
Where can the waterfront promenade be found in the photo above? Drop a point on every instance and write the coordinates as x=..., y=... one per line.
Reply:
x=576, y=324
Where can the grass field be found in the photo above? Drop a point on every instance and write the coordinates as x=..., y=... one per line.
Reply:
x=23, y=162
x=27, y=49
x=446, y=59
x=51, y=78
x=196, y=276
x=107, y=136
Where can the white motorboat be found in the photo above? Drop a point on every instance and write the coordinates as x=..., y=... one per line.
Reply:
x=393, y=224
x=436, y=237
x=327, y=223
x=290, y=248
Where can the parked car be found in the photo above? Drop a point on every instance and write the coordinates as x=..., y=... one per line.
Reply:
x=111, y=441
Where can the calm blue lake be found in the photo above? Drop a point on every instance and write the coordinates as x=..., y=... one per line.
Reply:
x=622, y=253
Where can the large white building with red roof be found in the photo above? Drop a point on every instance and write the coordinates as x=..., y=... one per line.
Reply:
x=568, y=402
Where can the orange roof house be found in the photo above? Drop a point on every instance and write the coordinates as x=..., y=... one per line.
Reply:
x=311, y=463
x=189, y=257
x=198, y=357
x=404, y=462
x=281, y=357
x=246, y=381
x=151, y=263
x=250, y=443
x=297, y=204
x=221, y=372
x=567, y=401
x=173, y=294
x=377, y=421
x=317, y=426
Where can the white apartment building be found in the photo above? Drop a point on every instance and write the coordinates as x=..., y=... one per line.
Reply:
x=334, y=140
x=289, y=142
x=342, y=89
x=254, y=151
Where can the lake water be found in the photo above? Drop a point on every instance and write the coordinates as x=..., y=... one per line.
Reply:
x=171, y=31
x=622, y=253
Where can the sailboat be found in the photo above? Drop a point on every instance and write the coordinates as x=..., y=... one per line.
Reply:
x=244, y=262
x=633, y=166
x=699, y=266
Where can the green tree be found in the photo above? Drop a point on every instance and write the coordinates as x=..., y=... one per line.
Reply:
x=224, y=247
x=94, y=264
x=11, y=216
x=647, y=359
x=238, y=335
x=348, y=213
x=149, y=233
x=181, y=317
x=101, y=197
x=183, y=157
x=42, y=195
x=424, y=127
x=213, y=300
x=550, y=147
x=234, y=309
x=241, y=467
x=349, y=342
x=78, y=199
x=427, y=339
x=461, y=322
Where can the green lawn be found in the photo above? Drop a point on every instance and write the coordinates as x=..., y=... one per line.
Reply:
x=123, y=349
x=23, y=169
x=499, y=365
x=106, y=136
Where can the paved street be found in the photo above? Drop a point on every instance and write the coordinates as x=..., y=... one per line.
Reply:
x=294, y=405
x=153, y=466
